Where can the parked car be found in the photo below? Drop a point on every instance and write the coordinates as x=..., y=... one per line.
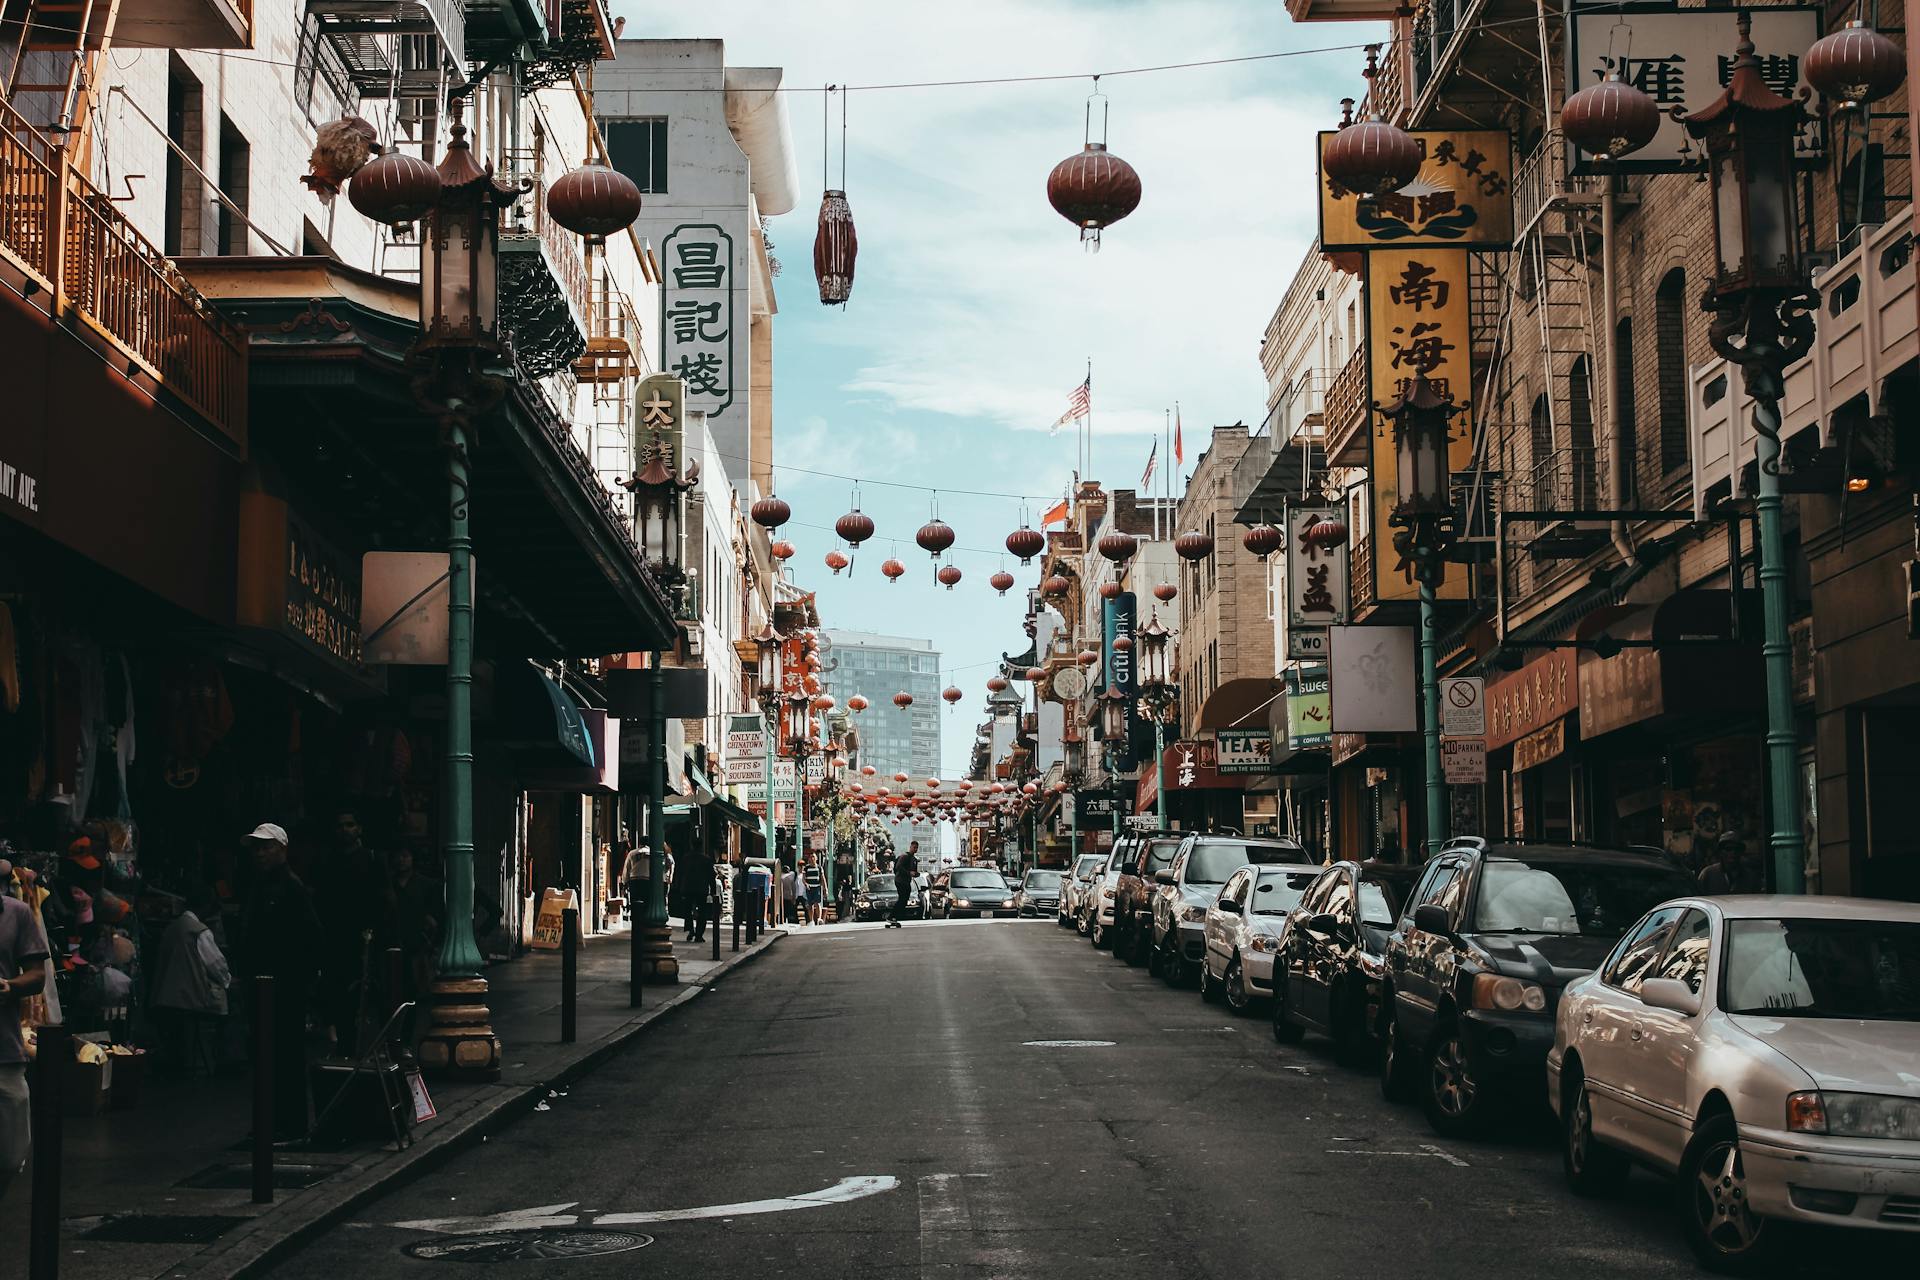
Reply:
x=1765, y=1051
x=1327, y=975
x=1099, y=900
x=1487, y=941
x=1040, y=891
x=876, y=898
x=1133, y=896
x=1075, y=884
x=1245, y=928
x=1190, y=885
x=978, y=891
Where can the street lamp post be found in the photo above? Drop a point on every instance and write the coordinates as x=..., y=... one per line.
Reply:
x=1422, y=422
x=801, y=745
x=458, y=355
x=1760, y=301
x=1158, y=692
x=768, y=645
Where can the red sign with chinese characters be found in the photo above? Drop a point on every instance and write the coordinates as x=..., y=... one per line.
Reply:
x=1533, y=697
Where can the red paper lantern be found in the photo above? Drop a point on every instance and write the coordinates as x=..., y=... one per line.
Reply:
x=836, y=562
x=1026, y=543
x=1854, y=66
x=1326, y=533
x=1193, y=545
x=935, y=536
x=900, y=776
x=858, y=702
x=892, y=568
x=1109, y=591
x=834, y=249
x=996, y=684
x=824, y=702
x=952, y=694
x=395, y=188
x=1093, y=190
x=855, y=527
x=781, y=550
x=948, y=575
x=1036, y=674
x=770, y=512
x=1263, y=540
x=1123, y=644
x=1055, y=586
x=594, y=201
x=1088, y=657
x=903, y=699
x=868, y=770
x=1117, y=545
x=1371, y=157
x=1001, y=581
x=1610, y=118
x=1165, y=592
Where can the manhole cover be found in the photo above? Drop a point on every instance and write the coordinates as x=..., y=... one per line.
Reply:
x=160, y=1228
x=526, y=1246
x=1068, y=1044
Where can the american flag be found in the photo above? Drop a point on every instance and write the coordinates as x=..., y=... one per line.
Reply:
x=1079, y=405
x=1153, y=460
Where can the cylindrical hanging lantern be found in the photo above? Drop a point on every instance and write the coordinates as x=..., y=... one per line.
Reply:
x=1165, y=592
x=1001, y=581
x=948, y=575
x=1263, y=539
x=834, y=248
x=1117, y=545
x=771, y=512
x=1854, y=66
x=855, y=527
x=594, y=201
x=1611, y=118
x=1193, y=545
x=836, y=562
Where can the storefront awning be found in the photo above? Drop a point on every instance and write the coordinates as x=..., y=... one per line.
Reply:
x=1237, y=702
x=539, y=720
x=1694, y=667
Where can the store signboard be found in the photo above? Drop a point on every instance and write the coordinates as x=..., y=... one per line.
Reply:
x=699, y=325
x=1463, y=761
x=1681, y=58
x=1244, y=750
x=1309, y=708
x=1463, y=195
x=756, y=788
x=294, y=583
x=1373, y=678
x=660, y=403
x=1520, y=702
x=1316, y=573
x=1417, y=306
x=1307, y=644
x=1118, y=664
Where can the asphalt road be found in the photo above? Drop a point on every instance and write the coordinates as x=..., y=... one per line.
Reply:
x=1191, y=1146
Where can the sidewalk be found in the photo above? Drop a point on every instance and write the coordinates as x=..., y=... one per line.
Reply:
x=164, y=1190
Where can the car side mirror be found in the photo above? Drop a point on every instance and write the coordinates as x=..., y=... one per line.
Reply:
x=1670, y=994
x=1325, y=924
x=1233, y=907
x=1432, y=918
x=1163, y=877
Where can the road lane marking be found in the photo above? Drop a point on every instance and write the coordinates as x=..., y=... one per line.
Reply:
x=1067, y=1044
x=1426, y=1151
x=568, y=1215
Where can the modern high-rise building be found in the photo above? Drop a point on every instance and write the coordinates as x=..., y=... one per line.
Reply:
x=893, y=739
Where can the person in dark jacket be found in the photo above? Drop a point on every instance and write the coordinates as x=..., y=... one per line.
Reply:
x=905, y=868
x=283, y=942
x=693, y=882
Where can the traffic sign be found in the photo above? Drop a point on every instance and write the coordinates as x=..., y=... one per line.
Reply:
x=1464, y=760
x=1463, y=707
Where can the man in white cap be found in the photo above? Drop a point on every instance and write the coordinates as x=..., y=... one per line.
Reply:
x=283, y=942
x=23, y=973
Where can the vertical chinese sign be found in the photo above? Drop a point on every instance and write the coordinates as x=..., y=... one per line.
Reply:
x=1415, y=244
x=697, y=323
x=1416, y=324
x=1316, y=580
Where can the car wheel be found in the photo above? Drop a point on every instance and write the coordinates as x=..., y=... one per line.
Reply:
x=1456, y=1105
x=1592, y=1167
x=1239, y=999
x=1285, y=1029
x=1396, y=1073
x=1209, y=987
x=1098, y=936
x=1724, y=1231
x=1153, y=957
x=1170, y=962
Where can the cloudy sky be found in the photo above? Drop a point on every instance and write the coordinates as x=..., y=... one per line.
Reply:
x=975, y=309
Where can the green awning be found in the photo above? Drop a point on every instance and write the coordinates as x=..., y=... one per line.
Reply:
x=569, y=726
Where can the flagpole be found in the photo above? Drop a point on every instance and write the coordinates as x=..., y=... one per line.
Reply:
x=1166, y=481
x=1089, y=386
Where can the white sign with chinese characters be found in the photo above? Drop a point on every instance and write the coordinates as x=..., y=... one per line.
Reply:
x=701, y=336
x=1316, y=572
x=1681, y=58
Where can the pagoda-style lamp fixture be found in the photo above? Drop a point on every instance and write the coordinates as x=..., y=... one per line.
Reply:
x=660, y=506
x=1760, y=301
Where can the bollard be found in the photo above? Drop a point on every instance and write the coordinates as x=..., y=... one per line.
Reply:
x=55, y=1050
x=713, y=911
x=569, y=971
x=739, y=911
x=263, y=1066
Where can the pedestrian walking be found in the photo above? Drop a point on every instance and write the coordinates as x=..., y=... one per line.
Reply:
x=800, y=900
x=1727, y=873
x=285, y=942
x=23, y=973
x=695, y=891
x=816, y=887
x=189, y=981
x=905, y=868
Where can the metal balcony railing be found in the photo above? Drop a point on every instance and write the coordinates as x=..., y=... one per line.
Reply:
x=1567, y=479
x=545, y=291
x=71, y=240
x=1346, y=412
x=1360, y=569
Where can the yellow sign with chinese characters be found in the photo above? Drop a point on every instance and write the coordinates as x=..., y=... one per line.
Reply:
x=1462, y=196
x=1416, y=323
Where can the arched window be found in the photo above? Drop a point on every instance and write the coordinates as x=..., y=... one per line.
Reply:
x=1623, y=390
x=1583, y=460
x=1540, y=453
x=1670, y=335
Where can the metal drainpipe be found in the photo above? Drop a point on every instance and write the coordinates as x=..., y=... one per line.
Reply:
x=1617, y=463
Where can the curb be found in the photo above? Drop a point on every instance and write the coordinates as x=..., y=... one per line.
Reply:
x=249, y=1252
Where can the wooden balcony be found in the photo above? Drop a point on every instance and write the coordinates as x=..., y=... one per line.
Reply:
x=1346, y=414
x=614, y=338
x=89, y=268
x=150, y=24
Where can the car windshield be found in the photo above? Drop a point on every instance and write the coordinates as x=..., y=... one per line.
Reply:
x=1278, y=892
x=1161, y=855
x=1592, y=899
x=1089, y=863
x=978, y=880
x=1043, y=879
x=879, y=884
x=1212, y=861
x=1866, y=969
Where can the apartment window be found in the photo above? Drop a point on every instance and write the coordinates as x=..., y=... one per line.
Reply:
x=236, y=159
x=1623, y=391
x=1540, y=442
x=1863, y=189
x=1584, y=460
x=1353, y=328
x=638, y=148
x=1670, y=337
x=184, y=130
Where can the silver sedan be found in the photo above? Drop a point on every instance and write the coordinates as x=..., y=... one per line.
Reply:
x=1245, y=928
x=1765, y=1051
